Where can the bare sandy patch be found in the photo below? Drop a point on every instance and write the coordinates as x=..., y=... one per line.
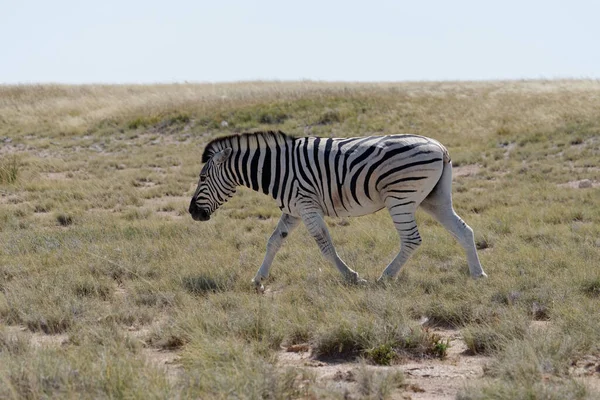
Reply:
x=466, y=170
x=580, y=184
x=55, y=176
x=37, y=339
x=426, y=379
x=170, y=206
x=167, y=361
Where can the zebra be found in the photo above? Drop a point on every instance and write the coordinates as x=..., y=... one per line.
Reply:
x=313, y=177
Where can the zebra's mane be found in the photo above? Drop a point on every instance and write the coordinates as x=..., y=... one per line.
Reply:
x=218, y=144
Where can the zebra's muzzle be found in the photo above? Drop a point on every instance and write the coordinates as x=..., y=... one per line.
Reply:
x=198, y=214
x=201, y=215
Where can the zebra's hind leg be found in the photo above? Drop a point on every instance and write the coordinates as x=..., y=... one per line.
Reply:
x=445, y=215
x=439, y=205
x=318, y=229
x=286, y=224
x=410, y=240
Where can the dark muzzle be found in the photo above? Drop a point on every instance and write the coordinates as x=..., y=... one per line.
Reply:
x=198, y=214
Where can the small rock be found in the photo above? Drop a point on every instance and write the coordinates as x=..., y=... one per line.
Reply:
x=224, y=124
x=584, y=184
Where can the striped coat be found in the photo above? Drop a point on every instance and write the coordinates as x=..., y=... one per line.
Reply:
x=311, y=177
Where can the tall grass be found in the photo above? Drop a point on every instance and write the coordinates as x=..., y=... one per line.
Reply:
x=9, y=169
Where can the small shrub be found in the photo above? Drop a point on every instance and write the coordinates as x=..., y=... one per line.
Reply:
x=591, y=287
x=329, y=117
x=271, y=117
x=503, y=131
x=90, y=287
x=488, y=338
x=203, y=284
x=142, y=122
x=64, y=219
x=374, y=384
x=179, y=119
x=341, y=342
x=439, y=347
x=137, y=214
x=9, y=170
x=381, y=355
x=168, y=337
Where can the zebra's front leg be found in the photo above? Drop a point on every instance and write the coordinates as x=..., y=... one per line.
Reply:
x=286, y=224
x=410, y=240
x=318, y=229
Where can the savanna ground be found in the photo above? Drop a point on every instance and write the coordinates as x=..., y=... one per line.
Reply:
x=108, y=289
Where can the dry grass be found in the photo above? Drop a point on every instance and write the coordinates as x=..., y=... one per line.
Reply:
x=96, y=247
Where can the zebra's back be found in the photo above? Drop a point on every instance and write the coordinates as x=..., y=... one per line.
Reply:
x=353, y=177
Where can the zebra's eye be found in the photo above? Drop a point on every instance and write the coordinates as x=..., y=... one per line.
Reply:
x=202, y=178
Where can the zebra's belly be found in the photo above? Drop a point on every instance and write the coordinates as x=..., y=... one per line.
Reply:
x=358, y=210
x=348, y=207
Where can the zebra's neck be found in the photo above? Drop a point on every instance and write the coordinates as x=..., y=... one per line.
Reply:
x=258, y=161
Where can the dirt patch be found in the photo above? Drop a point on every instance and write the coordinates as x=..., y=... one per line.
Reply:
x=425, y=379
x=56, y=176
x=586, y=370
x=442, y=379
x=580, y=184
x=466, y=170
x=171, y=206
x=167, y=361
x=588, y=365
x=37, y=339
x=508, y=148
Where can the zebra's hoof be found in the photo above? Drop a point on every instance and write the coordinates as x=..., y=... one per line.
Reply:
x=354, y=279
x=483, y=275
x=259, y=287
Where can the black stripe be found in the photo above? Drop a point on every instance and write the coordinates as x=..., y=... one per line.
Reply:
x=412, y=178
x=407, y=230
x=353, y=183
x=365, y=154
x=298, y=168
x=245, y=176
x=317, y=165
x=401, y=204
x=254, y=168
x=389, y=154
x=266, y=170
x=309, y=166
x=338, y=181
x=289, y=164
x=403, y=167
x=401, y=191
x=277, y=170
x=326, y=156
x=236, y=162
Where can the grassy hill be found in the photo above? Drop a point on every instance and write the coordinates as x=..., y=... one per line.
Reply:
x=109, y=289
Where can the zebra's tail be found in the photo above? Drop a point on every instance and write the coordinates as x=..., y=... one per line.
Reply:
x=444, y=185
x=444, y=150
x=447, y=158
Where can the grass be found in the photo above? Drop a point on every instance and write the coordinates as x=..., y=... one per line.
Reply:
x=9, y=169
x=102, y=271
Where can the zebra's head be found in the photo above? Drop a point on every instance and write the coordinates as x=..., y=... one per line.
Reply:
x=215, y=186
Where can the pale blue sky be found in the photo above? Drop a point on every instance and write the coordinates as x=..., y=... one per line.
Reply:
x=70, y=41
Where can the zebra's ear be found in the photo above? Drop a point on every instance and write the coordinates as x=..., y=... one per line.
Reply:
x=221, y=156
